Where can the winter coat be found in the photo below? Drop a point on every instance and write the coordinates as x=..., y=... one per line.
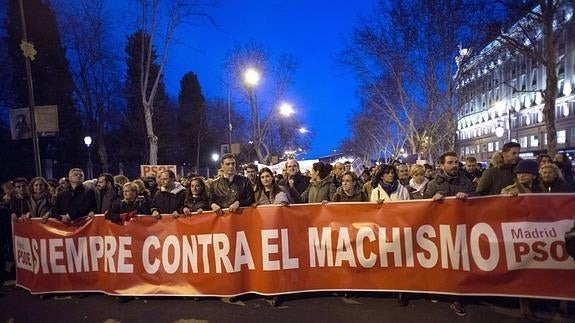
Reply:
x=106, y=200
x=194, y=203
x=557, y=186
x=19, y=205
x=125, y=210
x=224, y=193
x=517, y=188
x=357, y=195
x=399, y=194
x=40, y=204
x=77, y=202
x=167, y=202
x=494, y=179
x=449, y=185
x=416, y=190
x=319, y=191
x=301, y=182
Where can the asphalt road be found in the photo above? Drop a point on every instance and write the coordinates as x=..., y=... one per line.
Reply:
x=18, y=305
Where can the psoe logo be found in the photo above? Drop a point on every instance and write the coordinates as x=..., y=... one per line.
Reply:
x=537, y=245
x=23, y=253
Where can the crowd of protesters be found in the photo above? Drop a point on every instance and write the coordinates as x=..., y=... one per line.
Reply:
x=72, y=198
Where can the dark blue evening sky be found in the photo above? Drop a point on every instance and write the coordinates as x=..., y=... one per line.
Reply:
x=313, y=32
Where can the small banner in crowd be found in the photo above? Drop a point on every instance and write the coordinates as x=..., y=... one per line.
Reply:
x=501, y=246
x=155, y=170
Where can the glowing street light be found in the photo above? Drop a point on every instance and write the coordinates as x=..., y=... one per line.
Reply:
x=215, y=157
x=252, y=77
x=286, y=110
x=303, y=130
x=88, y=142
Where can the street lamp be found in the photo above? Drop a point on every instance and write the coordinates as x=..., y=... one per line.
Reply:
x=88, y=142
x=215, y=158
x=251, y=80
x=303, y=130
x=252, y=77
x=286, y=110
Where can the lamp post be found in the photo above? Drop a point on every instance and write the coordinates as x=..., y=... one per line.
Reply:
x=88, y=142
x=251, y=80
x=215, y=158
x=30, y=53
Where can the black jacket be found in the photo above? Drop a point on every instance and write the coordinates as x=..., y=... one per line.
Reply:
x=224, y=193
x=76, y=202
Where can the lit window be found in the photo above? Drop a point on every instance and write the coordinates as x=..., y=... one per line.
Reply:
x=561, y=137
x=534, y=141
x=490, y=147
x=572, y=134
x=497, y=145
x=523, y=141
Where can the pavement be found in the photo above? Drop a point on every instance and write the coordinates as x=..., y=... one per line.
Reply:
x=18, y=305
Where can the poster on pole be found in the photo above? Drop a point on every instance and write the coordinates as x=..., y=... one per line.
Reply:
x=46, y=120
x=20, y=124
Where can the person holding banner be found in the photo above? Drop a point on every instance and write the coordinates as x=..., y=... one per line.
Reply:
x=294, y=178
x=269, y=192
x=500, y=175
x=321, y=187
x=387, y=186
x=169, y=199
x=350, y=190
x=77, y=202
x=41, y=200
x=231, y=190
x=449, y=181
x=197, y=198
x=129, y=207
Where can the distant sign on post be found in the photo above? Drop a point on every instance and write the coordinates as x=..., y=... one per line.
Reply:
x=154, y=170
x=224, y=149
x=20, y=124
x=46, y=120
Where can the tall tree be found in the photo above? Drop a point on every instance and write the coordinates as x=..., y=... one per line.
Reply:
x=95, y=67
x=176, y=13
x=403, y=56
x=192, y=121
x=136, y=145
x=53, y=83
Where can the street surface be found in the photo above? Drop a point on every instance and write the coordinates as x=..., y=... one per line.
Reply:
x=18, y=305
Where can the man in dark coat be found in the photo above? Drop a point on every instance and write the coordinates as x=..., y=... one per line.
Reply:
x=169, y=199
x=107, y=197
x=294, y=177
x=496, y=177
x=77, y=202
x=449, y=181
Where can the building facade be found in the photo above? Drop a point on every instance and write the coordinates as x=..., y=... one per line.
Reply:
x=499, y=95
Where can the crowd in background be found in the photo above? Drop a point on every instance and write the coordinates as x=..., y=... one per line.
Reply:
x=72, y=198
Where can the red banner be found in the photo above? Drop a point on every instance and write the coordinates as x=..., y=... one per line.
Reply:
x=503, y=245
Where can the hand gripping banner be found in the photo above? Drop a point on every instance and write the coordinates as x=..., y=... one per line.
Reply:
x=501, y=245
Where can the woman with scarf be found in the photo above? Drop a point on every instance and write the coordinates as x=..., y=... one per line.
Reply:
x=321, y=187
x=417, y=182
x=350, y=189
x=130, y=207
x=387, y=186
x=526, y=180
x=41, y=200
